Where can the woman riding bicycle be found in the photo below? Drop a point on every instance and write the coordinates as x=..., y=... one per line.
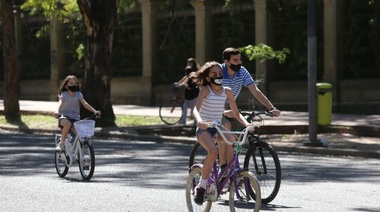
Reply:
x=209, y=107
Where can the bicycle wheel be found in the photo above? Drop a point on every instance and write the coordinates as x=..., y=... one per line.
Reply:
x=263, y=161
x=60, y=163
x=192, y=181
x=246, y=183
x=87, y=162
x=171, y=111
x=197, y=154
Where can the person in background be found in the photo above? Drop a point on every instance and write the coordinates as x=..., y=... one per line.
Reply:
x=191, y=94
x=209, y=108
x=68, y=108
x=191, y=89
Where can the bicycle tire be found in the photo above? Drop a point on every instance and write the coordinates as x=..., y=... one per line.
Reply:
x=171, y=111
x=197, y=154
x=247, y=182
x=60, y=160
x=87, y=162
x=192, y=181
x=270, y=180
x=60, y=163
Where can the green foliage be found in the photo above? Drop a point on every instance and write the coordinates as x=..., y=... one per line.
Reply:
x=131, y=4
x=263, y=52
x=62, y=8
x=81, y=51
x=43, y=32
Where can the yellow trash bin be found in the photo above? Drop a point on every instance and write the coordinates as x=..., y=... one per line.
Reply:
x=324, y=103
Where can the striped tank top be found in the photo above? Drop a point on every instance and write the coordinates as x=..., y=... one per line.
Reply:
x=213, y=106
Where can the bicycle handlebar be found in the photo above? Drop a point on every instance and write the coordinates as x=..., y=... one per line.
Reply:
x=252, y=116
x=219, y=128
x=92, y=117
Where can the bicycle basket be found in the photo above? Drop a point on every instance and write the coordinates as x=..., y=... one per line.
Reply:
x=85, y=127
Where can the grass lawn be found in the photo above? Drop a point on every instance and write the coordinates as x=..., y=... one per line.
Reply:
x=47, y=121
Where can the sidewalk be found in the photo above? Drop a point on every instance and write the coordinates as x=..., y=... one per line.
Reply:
x=348, y=135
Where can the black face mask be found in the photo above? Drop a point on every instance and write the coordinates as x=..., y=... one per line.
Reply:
x=235, y=68
x=216, y=80
x=73, y=88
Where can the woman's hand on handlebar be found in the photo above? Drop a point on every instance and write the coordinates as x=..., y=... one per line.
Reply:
x=251, y=126
x=207, y=124
x=203, y=124
x=275, y=112
x=98, y=113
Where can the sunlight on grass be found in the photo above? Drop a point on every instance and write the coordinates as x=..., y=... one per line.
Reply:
x=31, y=120
x=122, y=121
x=46, y=121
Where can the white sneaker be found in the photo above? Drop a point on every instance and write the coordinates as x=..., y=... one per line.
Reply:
x=60, y=147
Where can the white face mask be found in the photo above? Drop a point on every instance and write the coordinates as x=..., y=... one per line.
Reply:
x=216, y=80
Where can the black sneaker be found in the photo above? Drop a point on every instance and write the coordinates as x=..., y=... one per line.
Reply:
x=199, y=196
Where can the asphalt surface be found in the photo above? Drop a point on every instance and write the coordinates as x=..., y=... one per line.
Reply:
x=347, y=135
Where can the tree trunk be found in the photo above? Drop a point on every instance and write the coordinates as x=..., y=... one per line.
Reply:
x=100, y=19
x=11, y=75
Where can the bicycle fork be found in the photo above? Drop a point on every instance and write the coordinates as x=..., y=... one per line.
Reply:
x=263, y=163
x=69, y=155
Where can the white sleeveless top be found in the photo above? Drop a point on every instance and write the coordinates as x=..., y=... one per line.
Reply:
x=213, y=106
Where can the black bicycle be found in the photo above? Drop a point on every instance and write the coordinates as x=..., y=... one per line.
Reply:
x=261, y=159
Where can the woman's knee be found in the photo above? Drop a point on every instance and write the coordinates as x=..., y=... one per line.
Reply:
x=213, y=152
x=65, y=123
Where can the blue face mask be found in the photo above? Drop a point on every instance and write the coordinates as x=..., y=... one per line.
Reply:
x=216, y=80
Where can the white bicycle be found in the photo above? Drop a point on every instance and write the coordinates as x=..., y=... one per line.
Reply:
x=80, y=150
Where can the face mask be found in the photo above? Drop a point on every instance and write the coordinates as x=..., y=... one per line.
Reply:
x=216, y=80
x=235, y=68
x=73, y=88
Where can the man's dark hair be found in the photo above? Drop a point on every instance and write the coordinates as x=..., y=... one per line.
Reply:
x=226, y=55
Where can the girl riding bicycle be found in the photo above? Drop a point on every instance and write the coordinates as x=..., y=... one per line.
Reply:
x=209, y=108
x=68, y=108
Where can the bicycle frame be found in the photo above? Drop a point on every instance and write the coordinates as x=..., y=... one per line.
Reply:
x=227, y=174
x=176, y=99
x=75, y=148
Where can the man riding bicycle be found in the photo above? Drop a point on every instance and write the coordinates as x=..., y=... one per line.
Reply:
x=236, y=76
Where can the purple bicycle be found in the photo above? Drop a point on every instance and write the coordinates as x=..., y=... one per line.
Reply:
x=239, y=184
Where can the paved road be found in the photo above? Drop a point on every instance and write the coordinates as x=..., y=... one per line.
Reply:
x=149, y=176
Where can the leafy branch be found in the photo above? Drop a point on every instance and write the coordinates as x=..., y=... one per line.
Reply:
x=262, y=52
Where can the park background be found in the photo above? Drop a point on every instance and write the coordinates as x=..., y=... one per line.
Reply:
x=348, y=53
